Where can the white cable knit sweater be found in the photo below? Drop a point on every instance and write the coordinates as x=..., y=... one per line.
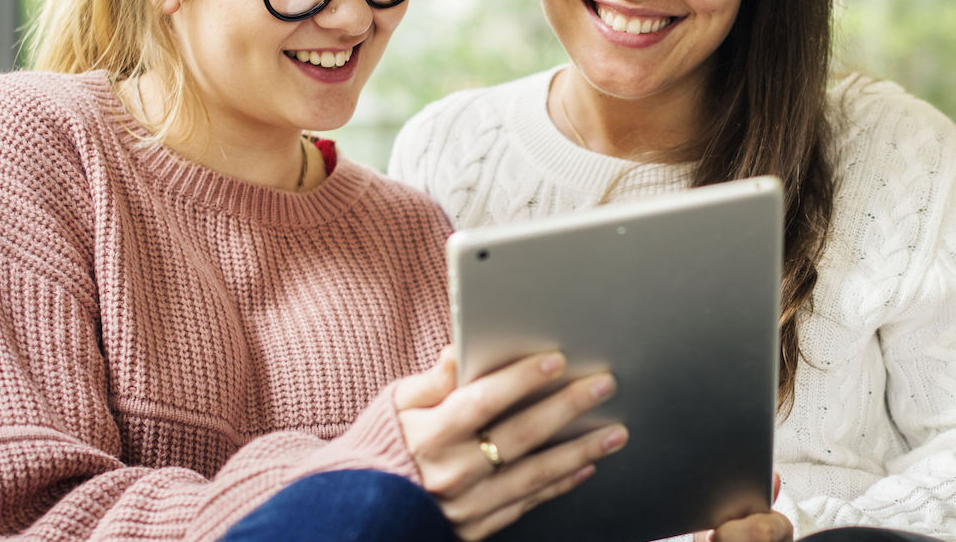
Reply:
x=871, y=439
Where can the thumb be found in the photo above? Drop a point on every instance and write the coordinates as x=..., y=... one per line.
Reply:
x=429, y=388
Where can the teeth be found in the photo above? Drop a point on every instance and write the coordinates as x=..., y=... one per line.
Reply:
x=325, y=59
x=620, y=23
x=633, y=25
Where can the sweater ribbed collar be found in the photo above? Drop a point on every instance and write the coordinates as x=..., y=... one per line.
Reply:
x=565, y=162
x=179, y=178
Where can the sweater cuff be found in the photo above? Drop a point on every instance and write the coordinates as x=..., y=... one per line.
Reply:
x=377, y=433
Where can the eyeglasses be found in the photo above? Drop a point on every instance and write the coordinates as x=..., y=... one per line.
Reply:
x=299, y=10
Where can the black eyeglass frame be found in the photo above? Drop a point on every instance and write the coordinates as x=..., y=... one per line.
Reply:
x=320, y=6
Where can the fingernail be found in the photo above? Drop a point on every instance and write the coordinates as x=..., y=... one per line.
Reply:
x=603, y=387
x=615, y=441
x=551, y=364
x=584, y=473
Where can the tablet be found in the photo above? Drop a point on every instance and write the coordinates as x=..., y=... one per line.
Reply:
x=679, y=296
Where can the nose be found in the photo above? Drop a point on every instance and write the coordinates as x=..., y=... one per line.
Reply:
x=350, y=16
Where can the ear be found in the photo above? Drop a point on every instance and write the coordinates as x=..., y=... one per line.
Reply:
x=169, y=7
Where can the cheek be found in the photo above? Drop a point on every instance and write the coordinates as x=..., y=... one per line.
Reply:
x=717, y=17
x=387, y=20
x=557, y=14
x=721, y=13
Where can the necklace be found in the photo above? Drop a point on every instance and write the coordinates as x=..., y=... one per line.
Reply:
x=304, y=167
x=606, y=196
x=574, y=129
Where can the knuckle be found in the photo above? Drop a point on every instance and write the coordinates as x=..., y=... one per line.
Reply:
x=481, y=402
x=541, y=477
x=565, y=485
x=421, y=447
x=531, y=431
x=583, y=396
x=473, y=533
x=457, y=512
x=594, y=450
x=446, y=482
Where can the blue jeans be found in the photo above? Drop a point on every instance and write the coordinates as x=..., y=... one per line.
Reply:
x=866, y=534
x=346, y=506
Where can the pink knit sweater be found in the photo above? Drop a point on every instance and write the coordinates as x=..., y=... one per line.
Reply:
x=177, y=345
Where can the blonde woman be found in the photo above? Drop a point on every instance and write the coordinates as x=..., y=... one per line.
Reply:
x=208, y=321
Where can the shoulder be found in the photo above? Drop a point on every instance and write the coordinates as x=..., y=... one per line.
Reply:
x=51, y=124
x=45, y=169
x=882, y=115
x=881, y=130
x=896, y=180
x=888, y=140
x=53, y=117
x=460, y=129
x=466, y=115
x=35, y=98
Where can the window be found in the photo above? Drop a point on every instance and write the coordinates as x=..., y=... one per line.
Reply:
x=9, y=21
x=489, y=41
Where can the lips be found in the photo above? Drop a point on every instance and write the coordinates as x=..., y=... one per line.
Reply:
x=328, y=66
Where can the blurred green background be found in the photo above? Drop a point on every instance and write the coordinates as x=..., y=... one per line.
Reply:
x=445, y=45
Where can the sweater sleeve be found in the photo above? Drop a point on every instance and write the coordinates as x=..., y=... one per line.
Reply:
x=451, y=149
x=62, y=472
x=412, y=151
x=432, y=139
x=917, y=342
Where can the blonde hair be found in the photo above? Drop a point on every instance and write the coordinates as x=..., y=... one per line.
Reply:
x=124, y=37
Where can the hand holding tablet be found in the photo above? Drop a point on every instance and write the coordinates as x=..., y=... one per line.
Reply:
x=677, y=296
x=485, y=471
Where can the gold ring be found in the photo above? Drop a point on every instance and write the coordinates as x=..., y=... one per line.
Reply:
x=490, y=450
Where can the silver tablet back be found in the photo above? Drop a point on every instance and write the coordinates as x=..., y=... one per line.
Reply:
x=679, y=296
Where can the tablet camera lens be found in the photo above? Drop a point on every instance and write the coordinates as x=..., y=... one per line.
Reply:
x=483, y=254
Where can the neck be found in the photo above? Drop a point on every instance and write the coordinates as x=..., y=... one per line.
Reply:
x=240, y=148
x=655, y=127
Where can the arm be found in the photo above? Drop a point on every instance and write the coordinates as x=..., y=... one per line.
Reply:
x=883, y=453
x=409, y=158
x=62, y=453
x=447, y=151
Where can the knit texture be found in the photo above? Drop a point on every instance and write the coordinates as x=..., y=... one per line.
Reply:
x=177, y=345
x=872, y=437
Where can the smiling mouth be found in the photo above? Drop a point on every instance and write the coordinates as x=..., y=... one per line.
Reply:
x=619, y=22
x=324, y=59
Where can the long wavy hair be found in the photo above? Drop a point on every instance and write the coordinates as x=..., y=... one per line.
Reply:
x=768, y=95
x=124, y=37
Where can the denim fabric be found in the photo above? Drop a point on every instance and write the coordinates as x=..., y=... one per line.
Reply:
x=346, y=506
x=866, y=534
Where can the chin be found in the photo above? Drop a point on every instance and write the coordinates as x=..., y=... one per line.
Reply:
x=329, y=118
x=611, y=83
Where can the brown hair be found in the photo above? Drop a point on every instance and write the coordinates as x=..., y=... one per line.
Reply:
x=768, y=92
